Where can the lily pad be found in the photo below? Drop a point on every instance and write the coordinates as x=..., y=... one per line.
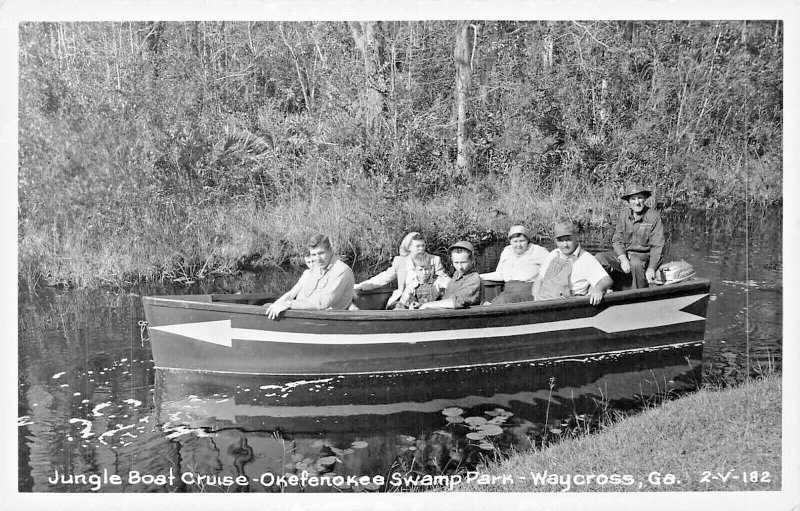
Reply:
x=327, y=460
x=359, y=444
x=490, y=429
x=455, y=419
x=486, y=446
x=476, y=435
x=452, y=411
x=475, y=421
x=555, y=431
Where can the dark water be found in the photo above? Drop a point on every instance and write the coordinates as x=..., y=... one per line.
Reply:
x=91, y=403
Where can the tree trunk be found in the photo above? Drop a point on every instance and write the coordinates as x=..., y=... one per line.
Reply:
x=463, y=61
x=369, y=39
x=547, y=50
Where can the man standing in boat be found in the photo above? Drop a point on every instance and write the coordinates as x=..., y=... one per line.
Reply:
x=327, y=285
x=638, y=242
x=569, y=270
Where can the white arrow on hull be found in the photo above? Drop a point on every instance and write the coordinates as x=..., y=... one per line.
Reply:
x=618, y=318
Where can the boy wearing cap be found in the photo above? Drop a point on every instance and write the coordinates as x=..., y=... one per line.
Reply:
x=518, y=267
x=570, y=270
x=465, y=286
x=638, y=242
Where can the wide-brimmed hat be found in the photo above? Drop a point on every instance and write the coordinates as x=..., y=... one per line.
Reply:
x=564, y=228
x=462, y=244
x=633, y=189
x=519, y=229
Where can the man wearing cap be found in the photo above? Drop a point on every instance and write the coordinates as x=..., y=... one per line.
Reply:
x=518, y=267
x=570, y=270
x=465, y=286
x=638, y=242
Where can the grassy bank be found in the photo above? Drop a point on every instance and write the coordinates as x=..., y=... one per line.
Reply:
x=125, y=236
x=143, y=240
x=698, y=439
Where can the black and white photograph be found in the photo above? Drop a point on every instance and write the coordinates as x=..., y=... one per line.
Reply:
x=378, y=255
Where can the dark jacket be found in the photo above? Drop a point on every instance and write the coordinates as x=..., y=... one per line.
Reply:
x=644, y=235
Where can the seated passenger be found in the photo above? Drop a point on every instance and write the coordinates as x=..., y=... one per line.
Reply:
x=295, y=291
x=420, y=285
x=570, y=271
x=327, y=285
x=412, y=245
x=464, y=288
x=518, y=267
x=638, y=242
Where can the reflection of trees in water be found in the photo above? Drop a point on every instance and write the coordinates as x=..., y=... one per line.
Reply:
x=77, y=350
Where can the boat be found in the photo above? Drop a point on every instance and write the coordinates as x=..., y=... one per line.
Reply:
x=231, y=334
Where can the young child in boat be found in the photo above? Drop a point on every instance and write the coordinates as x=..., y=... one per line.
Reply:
x=420, y=284
x=465, y=286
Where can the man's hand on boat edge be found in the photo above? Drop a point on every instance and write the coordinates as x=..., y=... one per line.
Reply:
x=274, y=310
x=597, y=291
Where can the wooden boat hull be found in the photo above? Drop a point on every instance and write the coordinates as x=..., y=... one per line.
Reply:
x=210, y=333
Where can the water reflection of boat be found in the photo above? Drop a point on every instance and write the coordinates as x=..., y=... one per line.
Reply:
x=393, y=423
x=408, y=402
x=231, y=334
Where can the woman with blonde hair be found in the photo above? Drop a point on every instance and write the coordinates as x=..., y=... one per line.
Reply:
x=400, y=270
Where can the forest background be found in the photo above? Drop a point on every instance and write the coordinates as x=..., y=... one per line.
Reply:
x=178, y=150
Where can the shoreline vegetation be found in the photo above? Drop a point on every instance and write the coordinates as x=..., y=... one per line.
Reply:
x=160, y=151
x=698, y=438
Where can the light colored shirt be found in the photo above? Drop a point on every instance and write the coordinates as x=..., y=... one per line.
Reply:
x=586, y=270
x=402, y=270
x=331, y=288
x=385, y=277
x=294, y=293
x=524, y=267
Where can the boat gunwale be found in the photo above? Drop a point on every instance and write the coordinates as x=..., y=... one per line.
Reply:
x=645, y=294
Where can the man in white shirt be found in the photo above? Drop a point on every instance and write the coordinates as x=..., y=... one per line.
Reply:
x=328, y=284
x=570, y=271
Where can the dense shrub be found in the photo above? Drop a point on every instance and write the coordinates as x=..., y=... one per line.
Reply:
x=158, y=149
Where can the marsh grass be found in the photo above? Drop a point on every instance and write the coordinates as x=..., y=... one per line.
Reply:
x=152, y=238
x=717, y=428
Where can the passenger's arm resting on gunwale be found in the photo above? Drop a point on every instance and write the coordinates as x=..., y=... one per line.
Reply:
x=597, y=291
x=384, y=278
x=461, y=293
x=332, y=293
